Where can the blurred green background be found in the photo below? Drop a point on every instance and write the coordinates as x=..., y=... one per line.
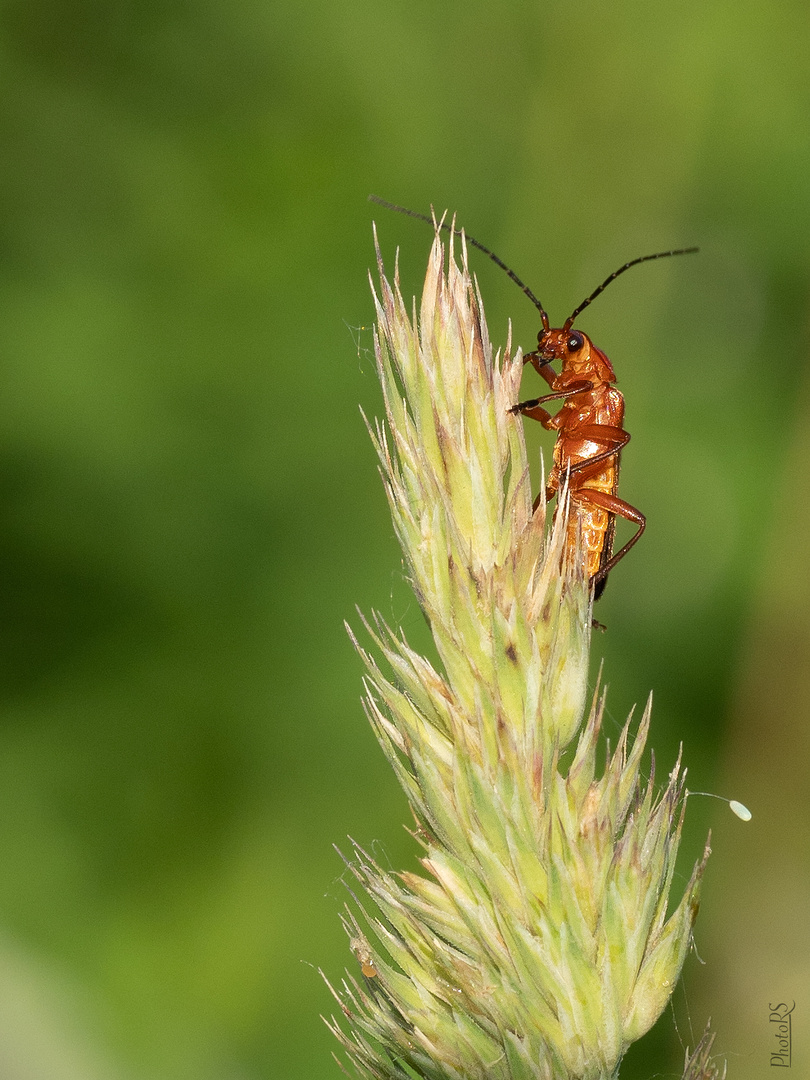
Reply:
x=190, y=503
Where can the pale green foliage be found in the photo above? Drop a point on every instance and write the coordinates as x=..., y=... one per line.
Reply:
x=538, y=943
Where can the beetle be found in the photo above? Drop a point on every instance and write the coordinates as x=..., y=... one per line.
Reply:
x=589, y=425
x=590, y=434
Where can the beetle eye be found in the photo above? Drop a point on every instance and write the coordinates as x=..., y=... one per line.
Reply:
x=575, y=341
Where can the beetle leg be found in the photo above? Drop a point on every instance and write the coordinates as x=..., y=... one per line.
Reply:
x=530, y=408
x=534, y=410
x=614, y=505
x=541, y=366
x=615, y=439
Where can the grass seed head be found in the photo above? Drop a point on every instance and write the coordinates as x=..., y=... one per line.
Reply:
x=536, y=942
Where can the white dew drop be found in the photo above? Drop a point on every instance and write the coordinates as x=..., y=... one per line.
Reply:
x=742, y=812
x=738, y=808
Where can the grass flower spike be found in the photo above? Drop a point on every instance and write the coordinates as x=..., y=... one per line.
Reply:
x=537, y=944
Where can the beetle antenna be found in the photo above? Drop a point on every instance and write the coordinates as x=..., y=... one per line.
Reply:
x=634, y=262
x=476, y=244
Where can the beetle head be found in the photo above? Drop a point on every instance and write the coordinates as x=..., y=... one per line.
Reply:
x=577, y=354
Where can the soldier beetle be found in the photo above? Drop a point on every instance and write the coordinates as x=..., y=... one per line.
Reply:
x=589, y=425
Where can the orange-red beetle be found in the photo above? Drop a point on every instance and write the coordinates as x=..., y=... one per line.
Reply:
x=589, y=426
x=590, y=434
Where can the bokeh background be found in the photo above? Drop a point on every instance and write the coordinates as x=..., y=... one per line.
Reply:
x=190, y=506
